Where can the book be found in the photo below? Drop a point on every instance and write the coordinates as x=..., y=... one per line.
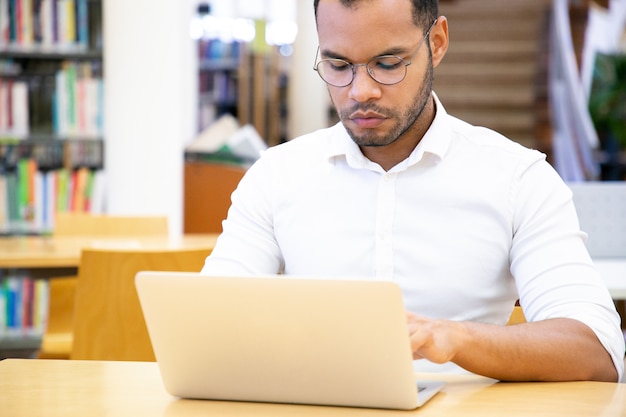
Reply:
x=80, y=178
x=46, y=22
x=9, y=101
x=23, y=304
x=226, y=141
x=40, y=305
x=62, y=189
x=26, y=35
x=49, y=199
x=82, y=23
x=27, y=294
x=4, y=106
x=24, y=190
x=12, y=301
x=12, y=15
x=88, y=191
x=38, y=202
x=214, y=137
x=4, y=22
x=60, y=106
x=83, y=73
x=69, y=68
x=4, y=204
x=3, y=308
x=36, y=21
x=66, y=22
x=97, y=201
x=12, y=198
x=19, y=109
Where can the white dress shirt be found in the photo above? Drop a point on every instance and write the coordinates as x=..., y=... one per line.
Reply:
x=467, y=224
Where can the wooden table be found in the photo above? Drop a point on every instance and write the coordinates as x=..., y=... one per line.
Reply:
x=51, y=388
x=50, y=252
x=53, y=256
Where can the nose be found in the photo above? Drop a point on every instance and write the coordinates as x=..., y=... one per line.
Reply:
x=363, y=87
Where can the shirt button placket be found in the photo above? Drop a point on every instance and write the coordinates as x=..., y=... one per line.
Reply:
x=384, y=226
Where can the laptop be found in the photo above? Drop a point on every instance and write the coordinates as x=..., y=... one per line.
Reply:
x=282, y=340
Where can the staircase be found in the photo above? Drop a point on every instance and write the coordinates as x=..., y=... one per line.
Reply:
x=494, y=72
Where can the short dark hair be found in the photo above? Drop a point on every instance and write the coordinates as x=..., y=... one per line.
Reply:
x=424, y=11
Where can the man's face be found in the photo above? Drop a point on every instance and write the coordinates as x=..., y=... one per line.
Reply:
x=376, y=114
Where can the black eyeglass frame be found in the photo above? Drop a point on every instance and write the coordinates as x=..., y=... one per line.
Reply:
x=370, y=72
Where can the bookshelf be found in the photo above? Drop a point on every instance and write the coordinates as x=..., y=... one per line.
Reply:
x=218, y=79
x=250, y=84
x=51, y=140
x=24, y=299
x=51, y=111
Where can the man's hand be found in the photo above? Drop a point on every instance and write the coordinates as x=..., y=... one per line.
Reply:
x=558, y=349
x=435, y=340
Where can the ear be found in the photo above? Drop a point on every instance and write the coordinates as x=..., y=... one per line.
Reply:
x=439, y=40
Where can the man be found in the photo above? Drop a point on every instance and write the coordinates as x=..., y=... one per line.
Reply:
x=463, y=219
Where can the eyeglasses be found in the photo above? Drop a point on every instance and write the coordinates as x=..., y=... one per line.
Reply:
x=384, y=69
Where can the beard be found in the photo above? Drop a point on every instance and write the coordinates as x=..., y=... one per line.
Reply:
x=404, y=118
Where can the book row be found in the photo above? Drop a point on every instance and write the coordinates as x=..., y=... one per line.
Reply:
x=52, y=154
x=67, y=102
x=23, y=304
x=30, y=198
x=51, y=23
x=219, y=53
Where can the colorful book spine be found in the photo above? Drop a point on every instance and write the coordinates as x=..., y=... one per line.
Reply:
x=48, y=22
x=12, y=198
x=30, y=198
x=12, y=14
x=80, y=178
x=23, y=304
x=63, y=187
x=4, y=106
x=78, y=101
x=18, y=118
x=82, y=23
x=49, y=200
x=4, y=205
x=26, y=35
x=26, y=193
x=4, y=22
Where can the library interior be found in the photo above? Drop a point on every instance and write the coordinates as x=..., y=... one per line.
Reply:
x=126, y=125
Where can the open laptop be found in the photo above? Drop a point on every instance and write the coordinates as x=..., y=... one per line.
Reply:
x=281, y=339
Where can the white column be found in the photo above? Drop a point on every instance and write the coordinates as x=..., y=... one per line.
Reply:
x=150, y=105
x=308, y=96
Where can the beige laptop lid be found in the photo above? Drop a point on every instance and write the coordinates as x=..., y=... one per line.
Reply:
x=281, y=339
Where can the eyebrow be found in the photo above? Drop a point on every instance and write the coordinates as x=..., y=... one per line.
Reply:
x=327, y=54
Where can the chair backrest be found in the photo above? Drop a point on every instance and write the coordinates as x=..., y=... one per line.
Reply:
x=517, y=316
x=56, y=342
x=100, y=225
x=208, y=187
x=108, y=321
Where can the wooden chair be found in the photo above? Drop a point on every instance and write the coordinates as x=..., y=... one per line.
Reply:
x=517, y=316
x=108, y=322
x=57, y=339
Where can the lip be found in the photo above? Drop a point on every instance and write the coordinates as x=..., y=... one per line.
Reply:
x=368, y=120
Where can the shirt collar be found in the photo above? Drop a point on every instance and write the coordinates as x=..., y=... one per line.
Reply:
x=435, y=141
